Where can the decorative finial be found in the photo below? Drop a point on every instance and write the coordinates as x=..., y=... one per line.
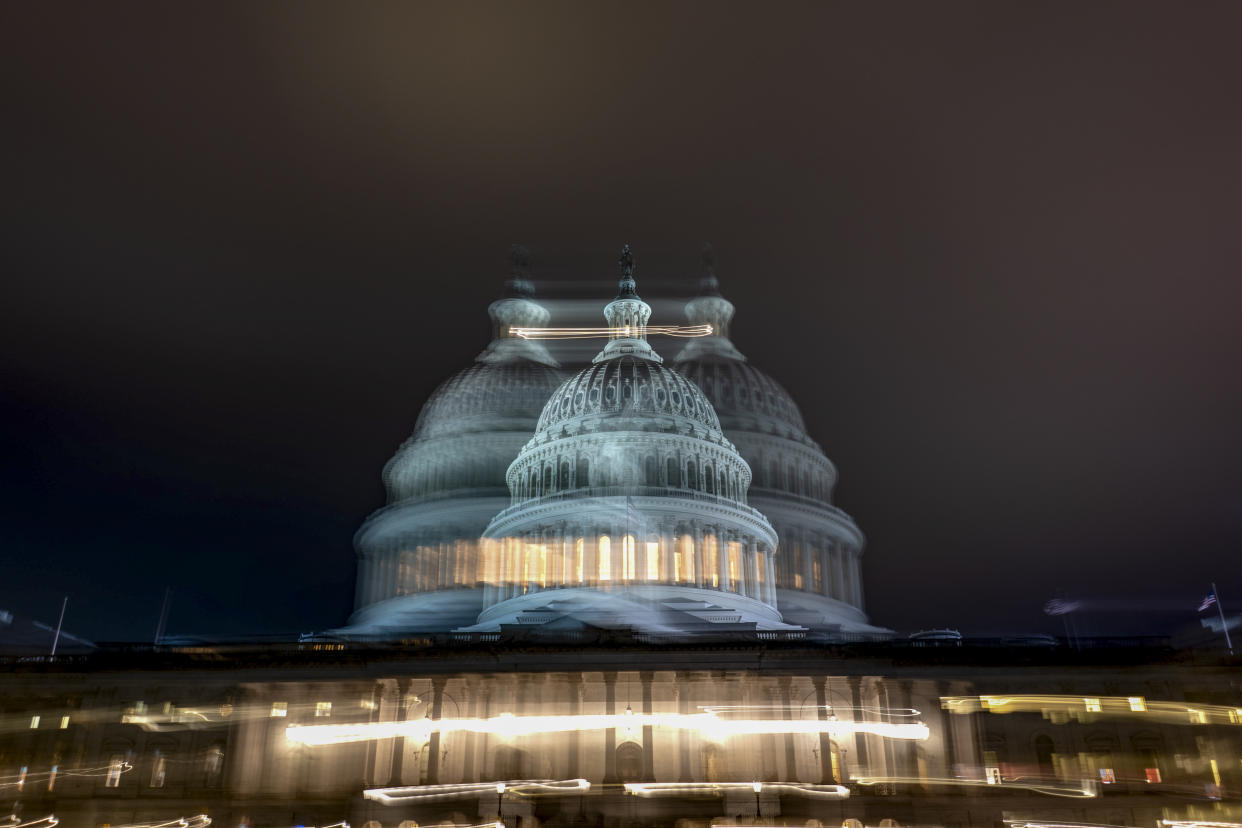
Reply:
x=518, y=283
x=708, y=285
x=628, y=288
x=627, y=263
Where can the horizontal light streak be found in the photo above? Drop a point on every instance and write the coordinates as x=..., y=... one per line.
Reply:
x=432, y=793
x=1030, y=823
x=708, y=724
x=717, y=788
x=196, y=821
x=1096, y=706
x=14, y=821
x=623, y=331
x=1198, y=823
x=1085, y=790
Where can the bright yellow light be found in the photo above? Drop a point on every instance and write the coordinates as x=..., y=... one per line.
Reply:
x=621, y=331
x=707, y=723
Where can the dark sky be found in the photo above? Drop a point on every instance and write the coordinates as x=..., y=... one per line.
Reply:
x=992, y=249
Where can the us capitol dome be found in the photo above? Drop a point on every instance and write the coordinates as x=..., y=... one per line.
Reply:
x=631, y=495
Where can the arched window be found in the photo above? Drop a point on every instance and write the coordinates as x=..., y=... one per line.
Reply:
x=584, y=473
x=709, y=479
x=547, y=480
x=692, y=476
x=563, y=482
x=674, y=472
x=605, y=558
x=628, y=554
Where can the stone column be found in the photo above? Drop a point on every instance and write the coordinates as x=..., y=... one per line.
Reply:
x=808, y=580
x=785, y=696
x=610, y=735
x=433, y=744
x=700, y=556
x=575, y=736
x=860, y=739
x=681, y=694
x=648, y=735
x=825, y=741
x=722, y=558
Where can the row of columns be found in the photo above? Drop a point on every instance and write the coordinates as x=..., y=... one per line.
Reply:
x=689, y=553
x=826, y=566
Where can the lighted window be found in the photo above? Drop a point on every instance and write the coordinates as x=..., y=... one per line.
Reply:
x=1198, y=717
x=817, y=573
x=367, y=704
x=735, y=566
x=64, y=722
x=653, y=561
x=994, y=776
x=605, y=558
x=157, y=771
x=323, y=709
x=116, y=765
x=1152, y=775
x=684, y=562
x=1107, y=776
x=712, y=562
x=280, y=709
x=1138, y=704
x=627, y=558
x=1093, y=705
x=579, y=547
x=34, y=722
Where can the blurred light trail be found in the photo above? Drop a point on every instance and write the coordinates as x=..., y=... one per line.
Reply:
x=718, y=788
x=14, y=821
x=1165, y=711
x=197, y=821
x=432, y=793
x=622, y=332
x=1086, y=789
x=708, y=724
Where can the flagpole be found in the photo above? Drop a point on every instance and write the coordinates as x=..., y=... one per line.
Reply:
x=65, y=603
x=1220, y=609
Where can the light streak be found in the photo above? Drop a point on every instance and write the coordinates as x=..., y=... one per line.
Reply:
x=464, y=790
x=1085, y=790
x=623, y=332
x=718, y=788
x=14, y=821
x=1198, y=823
x=1167, y=711
x=196, y=821
x=506, y=725
x=17, y=780
x=1029, y=823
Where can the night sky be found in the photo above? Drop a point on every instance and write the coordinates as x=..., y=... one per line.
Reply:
x=991, y=249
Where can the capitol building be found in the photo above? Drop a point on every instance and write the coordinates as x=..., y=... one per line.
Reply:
x=616, y=595
x=668, y=496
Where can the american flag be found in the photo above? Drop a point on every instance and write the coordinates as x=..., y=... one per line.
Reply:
x=1209, y=600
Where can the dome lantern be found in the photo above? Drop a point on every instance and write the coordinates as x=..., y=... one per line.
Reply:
x=627, y=316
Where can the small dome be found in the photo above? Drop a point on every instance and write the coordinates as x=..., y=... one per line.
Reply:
x=742, y=395
x=498, y=396
x=627, y=385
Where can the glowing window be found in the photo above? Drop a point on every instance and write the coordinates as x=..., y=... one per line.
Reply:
x=280, y=709
x=1093, y=705
x=712, y=561
x=1107, y=776
x=627, y=558
x=684, y=563
x=735, y=565
x=64, y=722
x=817, y=573
x=605, y=558
x=323, y=709
x=653, y=561
x=34, y=722
x=157, y=771
x=1152, y=775
x=1138, y=704
x=578, y=550
x=115, y=766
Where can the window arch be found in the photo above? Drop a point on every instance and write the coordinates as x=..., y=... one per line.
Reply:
x=674, y=473
x=584, y=473
x=563, y=482
x=709, y=479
